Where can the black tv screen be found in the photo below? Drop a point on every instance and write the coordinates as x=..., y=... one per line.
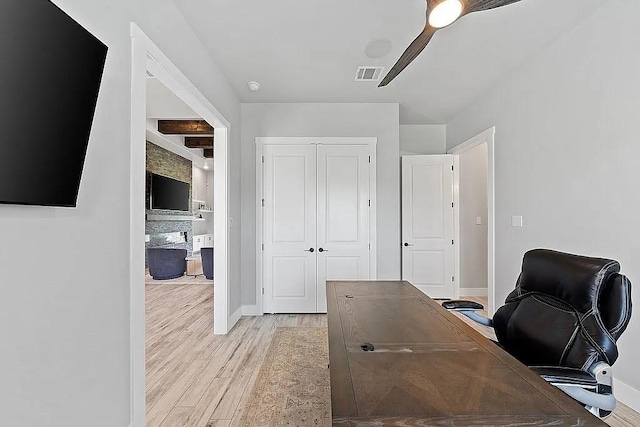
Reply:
x=169, y=194
x=50, y=74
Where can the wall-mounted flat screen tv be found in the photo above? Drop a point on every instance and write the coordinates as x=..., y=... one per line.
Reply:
x=50, y=74
x=169, y=194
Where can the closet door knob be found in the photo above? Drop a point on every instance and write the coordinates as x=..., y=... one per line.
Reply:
x=322, y=250
x=309, y=250
x=407, y=244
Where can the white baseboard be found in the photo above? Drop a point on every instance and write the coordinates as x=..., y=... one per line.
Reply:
x=233, y=319
x=473, y=292
x=626, y=394
x=251, y=310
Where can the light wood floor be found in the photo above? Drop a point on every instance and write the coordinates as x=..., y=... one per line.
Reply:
x=198, y=379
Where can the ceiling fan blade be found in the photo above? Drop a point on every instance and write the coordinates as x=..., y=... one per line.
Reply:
x=418, y=45
x=480, y=5
x=410, y=54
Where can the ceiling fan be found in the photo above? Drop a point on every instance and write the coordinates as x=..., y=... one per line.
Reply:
x=440, y=13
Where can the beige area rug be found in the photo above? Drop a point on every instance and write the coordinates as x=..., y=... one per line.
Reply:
x=292, y=388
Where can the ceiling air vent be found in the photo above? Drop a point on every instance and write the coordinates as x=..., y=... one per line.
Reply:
x=369, y=74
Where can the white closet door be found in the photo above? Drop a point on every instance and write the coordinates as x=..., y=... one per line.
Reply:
x=343, y=215
x=427, y=224
x=290, y=229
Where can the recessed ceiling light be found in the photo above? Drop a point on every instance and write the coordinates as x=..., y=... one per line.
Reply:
x=254, y=86
x=378, y=48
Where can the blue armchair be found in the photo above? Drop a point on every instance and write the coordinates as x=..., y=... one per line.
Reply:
x=165, y=264
x=207, y=262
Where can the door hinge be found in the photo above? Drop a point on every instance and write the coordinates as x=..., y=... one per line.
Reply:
x=262, y=246
x=369, y=246
x=262, y=291
x=451, y=204
x=262, y=159
x=452, y=241
x=453, y=279
x=263, y=203
x=452, y=167
x=369, y=159
x=369, y=202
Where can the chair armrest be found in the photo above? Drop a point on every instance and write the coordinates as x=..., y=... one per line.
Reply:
x=462, y=305
x=603, y=373
x=593, y=387
x=605, y=402
x=468, y=308
x=558, y=375
x=485, y=321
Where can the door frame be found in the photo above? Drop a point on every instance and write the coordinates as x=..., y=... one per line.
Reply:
x=488, y=137
x=270, y=140
x=146, y=56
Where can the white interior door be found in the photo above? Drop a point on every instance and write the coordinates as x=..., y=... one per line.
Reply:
x=290, y=229
x=427, y=224
x=343, y=215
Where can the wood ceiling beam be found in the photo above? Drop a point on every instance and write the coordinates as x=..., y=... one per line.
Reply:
x=198, y=142
x=208, y=153
x=184, y=127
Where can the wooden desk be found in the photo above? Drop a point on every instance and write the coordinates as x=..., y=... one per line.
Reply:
x=428, y=367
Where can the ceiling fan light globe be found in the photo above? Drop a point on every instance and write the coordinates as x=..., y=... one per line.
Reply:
x=445, y=13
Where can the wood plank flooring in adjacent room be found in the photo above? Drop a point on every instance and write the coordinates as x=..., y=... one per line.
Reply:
x=198, y=379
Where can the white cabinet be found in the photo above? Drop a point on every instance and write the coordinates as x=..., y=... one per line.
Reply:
x=198, y=243
x=202, y=241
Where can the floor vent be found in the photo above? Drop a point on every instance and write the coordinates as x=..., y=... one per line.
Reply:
x=369, y=74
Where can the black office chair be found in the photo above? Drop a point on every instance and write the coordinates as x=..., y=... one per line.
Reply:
x=563, y=320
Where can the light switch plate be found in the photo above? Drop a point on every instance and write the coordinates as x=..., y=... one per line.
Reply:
x=516, y=221
x=478, y=220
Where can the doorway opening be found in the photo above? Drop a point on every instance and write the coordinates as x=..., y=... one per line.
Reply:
x=474, y=197
x=149, y=62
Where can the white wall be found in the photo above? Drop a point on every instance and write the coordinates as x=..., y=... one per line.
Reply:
x=164, y=104
x=473, y=204
x=198, y=184
x=211, y=230
x=64, y=273
x=379, y=120
x=567, y=154
x=423, y=139
x=209, y=184
x=202, y=188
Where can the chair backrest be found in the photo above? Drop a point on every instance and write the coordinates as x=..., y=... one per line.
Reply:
x=567, y=310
